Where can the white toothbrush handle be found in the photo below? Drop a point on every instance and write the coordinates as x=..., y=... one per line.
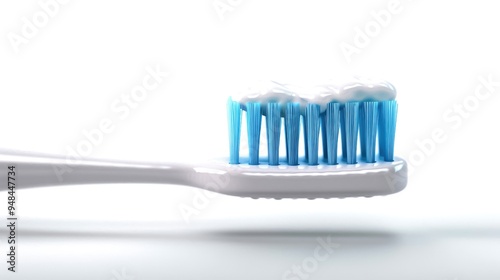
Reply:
x=36, y=170
x=364, y=179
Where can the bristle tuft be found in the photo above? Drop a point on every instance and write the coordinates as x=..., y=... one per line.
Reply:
x=273, y=126
x=387, y=126
x=292, y=132
x=351, y=111
x=313, y=124
x=254, y=119
x=368, y=130
x=324, y=136
x=234, y=126
x=343, y=135
x=332, y=131
x=304, y=126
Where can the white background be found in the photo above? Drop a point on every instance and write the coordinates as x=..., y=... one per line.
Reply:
x=63, y=78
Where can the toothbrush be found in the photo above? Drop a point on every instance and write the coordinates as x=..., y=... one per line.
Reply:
x=362, y=107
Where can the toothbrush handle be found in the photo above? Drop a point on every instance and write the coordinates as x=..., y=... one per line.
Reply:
x=38, y=170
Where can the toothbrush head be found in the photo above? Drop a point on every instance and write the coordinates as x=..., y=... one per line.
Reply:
x=365, y=110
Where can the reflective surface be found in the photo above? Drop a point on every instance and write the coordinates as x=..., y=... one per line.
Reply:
x=278, y=248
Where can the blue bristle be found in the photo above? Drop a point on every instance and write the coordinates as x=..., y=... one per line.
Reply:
x=254, y=119
x=286, y=141
x=381, y=131
x=273, y=125
x=234, y=126
x=304, y=125
x=371, y=119
x=351, y=111
x=292, y=132
x=343, y=133
x=323, y=136
x=332, y=131
x=362, y=132
x=389, y=113
x=368, y=130
x=313, y=124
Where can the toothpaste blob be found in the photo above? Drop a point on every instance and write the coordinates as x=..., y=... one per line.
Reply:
x=267, y=92
x=355, y=90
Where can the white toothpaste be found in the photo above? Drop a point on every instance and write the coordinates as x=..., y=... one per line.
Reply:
x=355, y=90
